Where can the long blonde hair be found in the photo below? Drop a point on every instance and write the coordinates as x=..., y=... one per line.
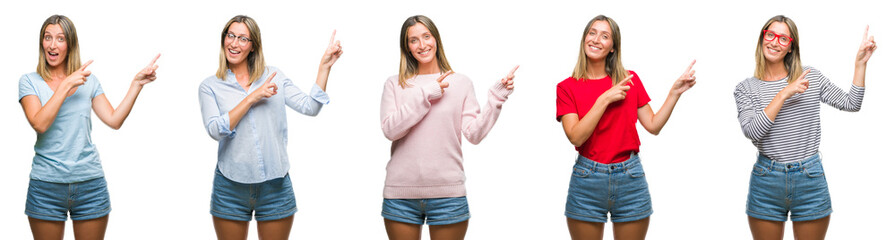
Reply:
x=408, y=66
x=791, y=61
x=613, y=60
x=73, y=53
x=256, y=57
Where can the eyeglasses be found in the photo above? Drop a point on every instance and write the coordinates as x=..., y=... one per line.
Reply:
x=240, y=39
x=782, y=39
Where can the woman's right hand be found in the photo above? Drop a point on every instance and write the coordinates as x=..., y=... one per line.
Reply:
x=78, y=77
x=265, y=91
x=443, y=85
x=617, y=92
x=800, y=85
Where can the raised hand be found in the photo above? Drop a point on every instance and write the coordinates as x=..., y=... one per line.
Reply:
x=148, y=74
x=866, y=48
x=617, y=92
x=685, y=81
x=508, y=80
x=265, y=91
x=78, y=77
x=443, y=84
x=798, y=86
x=334, y=50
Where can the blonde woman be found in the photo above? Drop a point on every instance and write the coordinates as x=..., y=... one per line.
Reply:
x=67, y=178
x=244, y=109
x=778, y=108
x=424, y=111
x=598, y=107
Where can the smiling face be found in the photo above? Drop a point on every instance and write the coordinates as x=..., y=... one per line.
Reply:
x=237, y=43
x=598, y=41
x=55, y=46
x=421, y=44
x=773, y=51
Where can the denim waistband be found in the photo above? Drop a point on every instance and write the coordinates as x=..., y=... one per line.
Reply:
x=633, y=161
x=793, y=166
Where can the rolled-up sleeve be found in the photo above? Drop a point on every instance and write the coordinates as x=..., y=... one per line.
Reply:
x=217, y=124
x=308, y=104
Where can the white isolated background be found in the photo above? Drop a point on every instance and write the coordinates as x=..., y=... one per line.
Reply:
x=159, y=166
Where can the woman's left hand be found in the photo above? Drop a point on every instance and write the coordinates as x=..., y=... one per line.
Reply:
x=685, y=81
x=334, y=50
x=866, y=48
x=508, y=80
x=148, y=74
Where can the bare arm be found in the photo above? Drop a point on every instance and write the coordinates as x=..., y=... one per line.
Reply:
x=579, y=130
x=654, y=123
x=42, y=117
x=114, y=117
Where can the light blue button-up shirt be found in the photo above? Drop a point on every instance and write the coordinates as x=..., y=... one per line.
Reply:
x=65, y=152
x=255, y=150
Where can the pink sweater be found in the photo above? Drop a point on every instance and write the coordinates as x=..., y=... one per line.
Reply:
x=425, y=125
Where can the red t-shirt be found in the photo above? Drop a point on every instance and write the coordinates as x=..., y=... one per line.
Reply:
x=615, y=135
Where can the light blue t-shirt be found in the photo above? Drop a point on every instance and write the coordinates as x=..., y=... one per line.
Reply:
x=65, y=153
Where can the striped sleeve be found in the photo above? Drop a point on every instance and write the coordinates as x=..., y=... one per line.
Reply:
x=836, y=97
x=754, y=123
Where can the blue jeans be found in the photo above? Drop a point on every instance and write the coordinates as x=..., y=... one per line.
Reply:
x=798, y=187
x=619, y=189
x=54, y=201
x=432, y=211
x=270, y=200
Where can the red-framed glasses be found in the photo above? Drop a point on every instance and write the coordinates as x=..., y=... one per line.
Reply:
x=782, y=39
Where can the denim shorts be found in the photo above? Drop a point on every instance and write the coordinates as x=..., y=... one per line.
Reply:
x=55, y=201
x=270, y=200
x=619, y=189
x=798, y=187
x=432, y=211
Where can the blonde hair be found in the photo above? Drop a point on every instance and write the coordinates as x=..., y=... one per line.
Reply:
x=255, y=59
x=613, y=61
x=73, y=53
x=408, y=66
x=791, y=61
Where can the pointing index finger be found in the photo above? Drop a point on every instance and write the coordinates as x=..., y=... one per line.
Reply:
x=153, y=63
x=626, y=80
x=83, y=67
x=333, y=37
x=803, y=76
x=513, y=71
x=865, y=37
x=690, y=66
x=271, y=77
x=449, y=72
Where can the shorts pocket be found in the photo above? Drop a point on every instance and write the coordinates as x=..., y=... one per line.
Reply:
x=759, y=170
x=635, y=171
x=579, y=171
x=816, y=170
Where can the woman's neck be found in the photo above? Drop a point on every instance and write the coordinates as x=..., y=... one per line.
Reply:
x=431, y=67
x=240, y=70
x=596, y=69
x=58, y=72
x=775, y=71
